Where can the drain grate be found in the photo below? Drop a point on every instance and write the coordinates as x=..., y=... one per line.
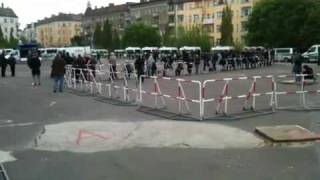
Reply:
x=3, y=173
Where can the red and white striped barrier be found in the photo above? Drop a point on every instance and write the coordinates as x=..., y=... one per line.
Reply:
x=181, y=97
x=249, y=98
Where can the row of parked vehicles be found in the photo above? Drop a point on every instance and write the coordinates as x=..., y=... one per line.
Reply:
x=21, y=53
x=280, y=54
x=286, y=54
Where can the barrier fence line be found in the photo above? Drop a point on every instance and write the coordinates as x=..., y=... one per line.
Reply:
x=89, y=80
x=181, y=97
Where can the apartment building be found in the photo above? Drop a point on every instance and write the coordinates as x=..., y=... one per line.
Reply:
x=207, y=14
x=117, y=15
x=58, y=30
x=8, y=22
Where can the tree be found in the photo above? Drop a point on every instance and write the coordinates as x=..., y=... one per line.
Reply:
x=79, y=41
x=284, y=23
x=141, y=35
x=13, y=42
x=169, y=38
x=116, y=40
x=226, y=27
x=107, y=36
x=97, y=37
x=3, y=41
x=194, y=37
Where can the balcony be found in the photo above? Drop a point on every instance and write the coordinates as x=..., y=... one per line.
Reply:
x=208, y=21
x=155, y=25
x=171, y=24
x=155, y=14
x=171, y=13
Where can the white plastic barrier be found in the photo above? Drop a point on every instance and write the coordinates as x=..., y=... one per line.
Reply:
x=293, y=90
x=249, y=96
x=180, y=96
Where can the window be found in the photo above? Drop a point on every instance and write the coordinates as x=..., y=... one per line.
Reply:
x=180, y=7
x=218, y=28
x=11, y=20
x=245, y=1
x=244, y=26
x=313, y=49
x=219, y=14
x=180, y=18
x=246, y=11
x=196, y=18
x=5, y=20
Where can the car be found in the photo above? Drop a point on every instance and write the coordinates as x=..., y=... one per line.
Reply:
x=283, y=54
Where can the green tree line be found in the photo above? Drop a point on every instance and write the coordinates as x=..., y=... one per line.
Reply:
x=11, y=43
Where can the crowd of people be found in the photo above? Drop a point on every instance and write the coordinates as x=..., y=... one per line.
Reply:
x=152, y=64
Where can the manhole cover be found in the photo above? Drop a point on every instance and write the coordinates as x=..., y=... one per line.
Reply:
x=287, y=133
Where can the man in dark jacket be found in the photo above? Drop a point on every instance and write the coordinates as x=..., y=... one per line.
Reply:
x=57, y=73
x=139, y=66
x=3, y=64
x=12, y=63
x=34, y=64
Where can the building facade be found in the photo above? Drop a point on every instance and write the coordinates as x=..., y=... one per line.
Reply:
x=8, y=22
x=57, y=31
x=117, y=15
x=30, y=33
x=207, y=14
x=153, y=12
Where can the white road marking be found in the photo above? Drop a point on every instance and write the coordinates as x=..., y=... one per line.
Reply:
x=52, y=103
x=17, y=125
x=6, y=121
x=105, y=136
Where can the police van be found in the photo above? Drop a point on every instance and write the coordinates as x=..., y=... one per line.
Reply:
x=312, y=55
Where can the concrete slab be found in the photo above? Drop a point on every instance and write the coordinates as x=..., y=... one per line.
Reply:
x=287, y=133
x=98, y=136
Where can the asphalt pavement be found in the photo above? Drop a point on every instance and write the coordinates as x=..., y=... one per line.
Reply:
x=28, y=112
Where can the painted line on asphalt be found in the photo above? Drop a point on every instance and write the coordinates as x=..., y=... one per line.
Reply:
x=52, y=103
x=18, y=125
x=6, y=121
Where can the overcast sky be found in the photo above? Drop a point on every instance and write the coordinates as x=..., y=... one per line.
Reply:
x=33, y=10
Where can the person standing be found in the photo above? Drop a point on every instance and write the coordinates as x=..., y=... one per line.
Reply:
x=34, y=64
x=139, y=66
x=113, y=66
x=12, y=64
x=196, y=62
x=57, y=73
x=3, y=64
x=297, y=66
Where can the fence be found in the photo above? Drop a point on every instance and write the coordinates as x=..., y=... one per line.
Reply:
x=243, y=92
x=176, y=98
x=297, y=97
x=170, y=98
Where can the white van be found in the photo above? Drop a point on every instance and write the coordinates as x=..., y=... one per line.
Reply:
x=283, y=54
x=218, y=49
x=312, y=55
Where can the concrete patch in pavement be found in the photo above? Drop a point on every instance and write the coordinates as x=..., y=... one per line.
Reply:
x=96, y=136
x=287, y=133
x=6, y=157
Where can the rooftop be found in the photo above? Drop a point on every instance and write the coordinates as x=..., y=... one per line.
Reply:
x=7, y=12
x=107, y=10
x=60, y=17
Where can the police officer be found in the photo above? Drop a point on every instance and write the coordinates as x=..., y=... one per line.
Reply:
x=12, y=64
x=3, y=64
